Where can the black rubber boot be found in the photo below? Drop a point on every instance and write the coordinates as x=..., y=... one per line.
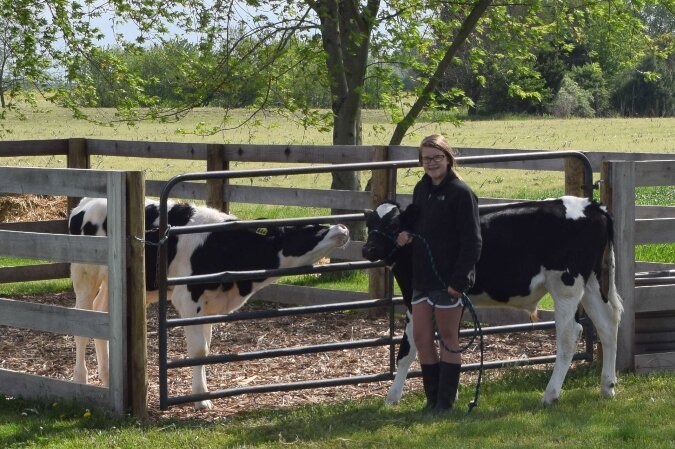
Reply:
x=430, y=375
x=448, y=383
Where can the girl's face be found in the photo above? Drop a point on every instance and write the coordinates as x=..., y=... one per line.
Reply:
x=435, y=164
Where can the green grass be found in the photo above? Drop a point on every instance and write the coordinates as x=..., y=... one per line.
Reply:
x=509, y=416
x=29, y=288
x=655, y=196
x=601, y=134
x=35, y=287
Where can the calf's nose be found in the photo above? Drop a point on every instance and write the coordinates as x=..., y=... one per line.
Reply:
x=367, y=252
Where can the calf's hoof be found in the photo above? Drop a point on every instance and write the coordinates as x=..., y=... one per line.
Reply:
x=80, y=378
x=203, y=405
x=549, y=398
x=608, y=391
x=393, y=398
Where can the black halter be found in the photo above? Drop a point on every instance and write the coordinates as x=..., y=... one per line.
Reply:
x=389, y=237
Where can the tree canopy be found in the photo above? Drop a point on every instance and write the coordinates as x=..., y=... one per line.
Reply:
x=159, y=59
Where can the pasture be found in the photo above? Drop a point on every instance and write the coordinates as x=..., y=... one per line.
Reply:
x=509, y=415
x=610, y=134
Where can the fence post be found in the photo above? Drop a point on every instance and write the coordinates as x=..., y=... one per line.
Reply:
x=117, y=290
x=135, y=271
x=574, y=177
x=215, y=161
x=618, y=194
x=78, y=157
x=379, y=189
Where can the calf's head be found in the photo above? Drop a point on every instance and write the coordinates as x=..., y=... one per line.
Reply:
x=301, y=245
x=384, y=224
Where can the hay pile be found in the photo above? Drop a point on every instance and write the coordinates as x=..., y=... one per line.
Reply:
x=15, y=208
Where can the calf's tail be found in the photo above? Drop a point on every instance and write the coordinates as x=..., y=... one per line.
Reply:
x=608, y=277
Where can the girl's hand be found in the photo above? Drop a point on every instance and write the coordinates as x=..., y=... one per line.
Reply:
x=403, y=238
x=454, y=293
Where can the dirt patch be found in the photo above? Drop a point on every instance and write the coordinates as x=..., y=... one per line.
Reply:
x=54, y=356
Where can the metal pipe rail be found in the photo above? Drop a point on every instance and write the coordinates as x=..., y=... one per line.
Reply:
x=341, y=381
x=336, y=382
x=164, y=230
x=229, y=276
x=664, y=280
x=278, y=313
x=325, y=347
x=383, y=341
x=248, y=224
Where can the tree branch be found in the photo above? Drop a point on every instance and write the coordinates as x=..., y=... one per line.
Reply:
x=467, y=27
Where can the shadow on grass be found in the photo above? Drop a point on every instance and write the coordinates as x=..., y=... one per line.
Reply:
x=509, y=405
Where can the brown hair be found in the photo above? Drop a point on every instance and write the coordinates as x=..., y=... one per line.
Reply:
x=438, y=141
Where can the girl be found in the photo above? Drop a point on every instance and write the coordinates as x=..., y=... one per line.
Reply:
x=448, y=248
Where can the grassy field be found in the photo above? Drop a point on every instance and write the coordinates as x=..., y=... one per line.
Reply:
x=509, y=416
x=609, y=134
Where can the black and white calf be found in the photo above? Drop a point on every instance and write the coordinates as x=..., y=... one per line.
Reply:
x=561, y=246
x=195, y=254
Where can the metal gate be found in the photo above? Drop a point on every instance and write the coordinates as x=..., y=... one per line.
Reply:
x=388, y=301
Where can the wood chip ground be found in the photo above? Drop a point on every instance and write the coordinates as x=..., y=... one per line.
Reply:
x=54, y=355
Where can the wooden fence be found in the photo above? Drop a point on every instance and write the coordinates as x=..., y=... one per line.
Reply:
x=218, y=194
x=647, y=332
x=125, y=196
x=78, y=153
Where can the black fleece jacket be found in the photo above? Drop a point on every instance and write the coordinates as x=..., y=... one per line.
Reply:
x=448, y=220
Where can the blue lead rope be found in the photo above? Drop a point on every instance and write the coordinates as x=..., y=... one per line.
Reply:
x=466, y=304
x=477, y=329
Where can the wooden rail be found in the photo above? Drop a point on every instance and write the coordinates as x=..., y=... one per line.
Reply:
x=220, y=194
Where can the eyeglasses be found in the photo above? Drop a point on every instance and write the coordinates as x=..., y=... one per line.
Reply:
x=438, y=159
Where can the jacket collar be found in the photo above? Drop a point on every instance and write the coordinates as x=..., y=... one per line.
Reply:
x=449, y=177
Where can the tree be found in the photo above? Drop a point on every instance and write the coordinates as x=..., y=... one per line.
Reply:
x=649, y=89
x=571, y=100
x=237, y=42
x=5, y=61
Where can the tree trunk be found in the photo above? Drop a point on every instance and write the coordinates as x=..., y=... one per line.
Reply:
x=345, y=32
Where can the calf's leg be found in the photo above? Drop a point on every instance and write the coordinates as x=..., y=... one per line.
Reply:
x=568, y=331
x=198, y=341
x=605, y=318
x=404, y=362
x=86, y=284
x=102, y=350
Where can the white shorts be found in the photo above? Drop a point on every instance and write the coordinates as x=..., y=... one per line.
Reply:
x=440, y=299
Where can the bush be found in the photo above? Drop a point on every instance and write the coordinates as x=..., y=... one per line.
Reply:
x=590, y=78
x=513, y=91
x=571, y=100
